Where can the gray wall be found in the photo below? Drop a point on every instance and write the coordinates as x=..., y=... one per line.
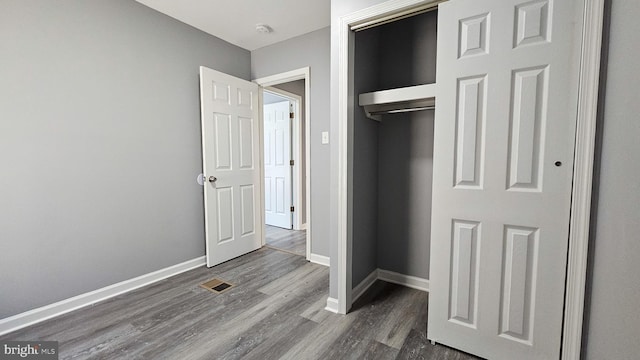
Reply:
x=613, y=320
x=297, y=87
x=310, y=50
x=364, y=178
x=99, y=144
x=404, y=202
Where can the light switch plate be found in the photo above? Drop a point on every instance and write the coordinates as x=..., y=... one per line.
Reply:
x=325, y=137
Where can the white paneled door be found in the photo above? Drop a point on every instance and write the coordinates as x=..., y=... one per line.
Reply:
x=277, y=169
x=504, y=144
x=230, y=155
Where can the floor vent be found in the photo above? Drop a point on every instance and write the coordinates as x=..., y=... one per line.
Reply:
x=217, y=286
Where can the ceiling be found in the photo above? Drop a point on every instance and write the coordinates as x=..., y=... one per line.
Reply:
x=235, y=20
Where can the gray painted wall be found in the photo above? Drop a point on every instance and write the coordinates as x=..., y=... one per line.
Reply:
x=297, y=87
x=99, y=144
x=404, y=200
x=311, y=50
x=364, y=178
x=613, y=320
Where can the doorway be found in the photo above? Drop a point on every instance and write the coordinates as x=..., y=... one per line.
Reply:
x=284, y=165
x=294, y=236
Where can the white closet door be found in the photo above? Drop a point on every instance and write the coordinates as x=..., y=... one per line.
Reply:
x=503, y=158
x=230, y=155
x=277, y=169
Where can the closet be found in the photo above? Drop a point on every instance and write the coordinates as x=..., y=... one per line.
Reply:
x=394, y=87
x=474, y=196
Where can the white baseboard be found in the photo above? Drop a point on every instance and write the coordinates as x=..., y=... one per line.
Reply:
x=413, y=282
x=332, y=305
x=319, y=259
x=364, y=285
x=303, y=226
x=34, y=316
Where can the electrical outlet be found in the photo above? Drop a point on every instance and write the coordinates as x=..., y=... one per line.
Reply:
x=325, y=137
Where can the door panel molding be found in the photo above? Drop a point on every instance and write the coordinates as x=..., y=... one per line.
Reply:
x=229, y=109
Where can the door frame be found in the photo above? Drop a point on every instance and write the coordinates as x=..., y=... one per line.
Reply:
x=588, y=85
x=285, y=77
x=296, y=151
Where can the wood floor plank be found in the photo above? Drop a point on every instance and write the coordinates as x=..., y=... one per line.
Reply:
x=379, y=351
x=400, y=320
x=261, y=331
x=293, y=241
x=316, y=312
x=369, y=318
x=417, y=347
x=291, y=282
x=316, y=342
x=274, y=311
x=276, y=346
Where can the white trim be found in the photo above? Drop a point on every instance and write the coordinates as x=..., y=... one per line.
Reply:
x=34, y=316
x=332, y=305
x=296, y=152
x=303, y=226
x=582, y=178
x=263, y=218
x=371, y=15
x=409, y=281
x=413, y=282
x=293, y=75
x=364, y=285
x=583, y=162
x=319, y=259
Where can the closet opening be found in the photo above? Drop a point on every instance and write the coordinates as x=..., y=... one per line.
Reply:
x=392, y=157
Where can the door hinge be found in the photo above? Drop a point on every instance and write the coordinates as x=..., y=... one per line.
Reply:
x=291, y=162
x=290, y=115
x=292, y=209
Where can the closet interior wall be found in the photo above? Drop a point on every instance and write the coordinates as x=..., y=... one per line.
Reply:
x=393, y=158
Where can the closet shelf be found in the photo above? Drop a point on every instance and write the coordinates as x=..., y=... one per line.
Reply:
x=405, y=99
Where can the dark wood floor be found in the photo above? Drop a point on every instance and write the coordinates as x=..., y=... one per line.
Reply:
x=292, y=241
x=274, y=311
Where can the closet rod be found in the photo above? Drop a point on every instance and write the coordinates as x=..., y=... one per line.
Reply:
x=399, y=111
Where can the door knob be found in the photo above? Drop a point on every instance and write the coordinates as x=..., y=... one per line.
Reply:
x=212, y=179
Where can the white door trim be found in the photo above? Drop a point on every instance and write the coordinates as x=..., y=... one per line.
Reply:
x=582, y=178
x=583, y=161
x=296, y=151
x=293, y=75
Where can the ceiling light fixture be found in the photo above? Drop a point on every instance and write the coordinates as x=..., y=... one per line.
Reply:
x=264, y=28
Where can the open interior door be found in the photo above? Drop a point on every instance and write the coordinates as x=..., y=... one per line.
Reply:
x=277, y=167
x=231, y=164
x=503, y=161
